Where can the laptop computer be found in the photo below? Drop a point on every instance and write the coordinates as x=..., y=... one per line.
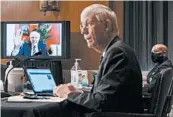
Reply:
x=41, y=81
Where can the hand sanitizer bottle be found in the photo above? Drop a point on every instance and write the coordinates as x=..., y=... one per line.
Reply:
x=74, y=73
x=10, y=85
x=9, y=66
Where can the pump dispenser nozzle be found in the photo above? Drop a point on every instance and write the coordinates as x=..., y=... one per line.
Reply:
x=78, y=59
x=11, y=64
x=77, y=64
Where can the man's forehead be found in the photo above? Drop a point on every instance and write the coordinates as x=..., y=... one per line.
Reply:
x=85, y=18
x=34, y=34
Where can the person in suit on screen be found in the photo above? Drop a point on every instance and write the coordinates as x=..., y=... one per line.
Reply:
x=30, y=48
x=118, y=85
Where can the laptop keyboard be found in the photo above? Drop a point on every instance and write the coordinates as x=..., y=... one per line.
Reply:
x=45, y=94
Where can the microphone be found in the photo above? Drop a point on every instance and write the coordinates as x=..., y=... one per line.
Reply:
x=6, y=77
x=37, y=54
x=50, y=51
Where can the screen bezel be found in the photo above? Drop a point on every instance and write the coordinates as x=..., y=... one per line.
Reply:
x=65, y=43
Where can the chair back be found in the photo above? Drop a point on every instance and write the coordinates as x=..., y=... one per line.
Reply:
x=169, y=101
x=161, y=91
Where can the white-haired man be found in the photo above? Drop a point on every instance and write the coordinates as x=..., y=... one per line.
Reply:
x=118, y=86
x=22, y=48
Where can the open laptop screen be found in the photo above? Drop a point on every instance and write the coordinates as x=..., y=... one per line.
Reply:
x=41, y=80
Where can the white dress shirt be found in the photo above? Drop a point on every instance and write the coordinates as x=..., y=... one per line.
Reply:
x=32, y=49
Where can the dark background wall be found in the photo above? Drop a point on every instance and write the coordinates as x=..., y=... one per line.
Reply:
x=147, y=23
x=29, y=11
x=170, y=29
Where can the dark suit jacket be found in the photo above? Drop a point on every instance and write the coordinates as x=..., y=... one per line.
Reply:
x=25, y=49
x=154, y=74
x=118, y=86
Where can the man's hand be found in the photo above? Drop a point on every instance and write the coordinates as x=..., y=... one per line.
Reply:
x=63, y=90
x=18, y=39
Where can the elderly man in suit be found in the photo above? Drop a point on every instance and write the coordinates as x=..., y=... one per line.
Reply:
x=118, y=85
x=29, y=48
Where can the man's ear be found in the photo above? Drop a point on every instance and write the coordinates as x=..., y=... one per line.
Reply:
x=108, y=25
x=165, y=53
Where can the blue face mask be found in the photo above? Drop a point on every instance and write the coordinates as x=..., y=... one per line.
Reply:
x=157, y=57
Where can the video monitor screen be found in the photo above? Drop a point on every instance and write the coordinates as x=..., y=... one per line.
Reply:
x=36, y=39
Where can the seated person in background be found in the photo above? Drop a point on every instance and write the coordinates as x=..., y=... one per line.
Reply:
x=22, y=48
x=159, y=55
x=118, y=85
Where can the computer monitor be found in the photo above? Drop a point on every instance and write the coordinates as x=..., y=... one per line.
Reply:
x=39, y=39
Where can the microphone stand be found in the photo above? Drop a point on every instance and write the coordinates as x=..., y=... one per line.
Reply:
x=21, y=61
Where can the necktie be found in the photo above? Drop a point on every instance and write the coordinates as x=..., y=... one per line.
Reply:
x=34, y=50
x=101, y=57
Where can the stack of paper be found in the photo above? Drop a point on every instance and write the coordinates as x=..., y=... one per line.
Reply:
x=20, y=98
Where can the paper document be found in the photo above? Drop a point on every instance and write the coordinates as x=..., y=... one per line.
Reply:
x=20, y=98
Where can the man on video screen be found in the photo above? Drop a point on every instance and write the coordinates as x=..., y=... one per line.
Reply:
x=30, y=48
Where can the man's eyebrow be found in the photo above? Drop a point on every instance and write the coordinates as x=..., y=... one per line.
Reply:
x=85, y=21
x=34, y=36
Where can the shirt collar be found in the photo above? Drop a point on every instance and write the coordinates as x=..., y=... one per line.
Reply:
x=36, y=45
x=114, y=40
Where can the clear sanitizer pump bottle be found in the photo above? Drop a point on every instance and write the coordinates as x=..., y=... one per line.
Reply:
x=8, y=68
x=74, y=73
x=9, y=78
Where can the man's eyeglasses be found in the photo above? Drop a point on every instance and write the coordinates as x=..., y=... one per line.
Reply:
x=88, y=24
x=34, y=37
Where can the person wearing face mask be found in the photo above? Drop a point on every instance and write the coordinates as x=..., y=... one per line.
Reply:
x=30, y=48
x=159, y=56
x=118, y=84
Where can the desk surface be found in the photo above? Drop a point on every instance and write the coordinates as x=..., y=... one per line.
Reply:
x=29, y=109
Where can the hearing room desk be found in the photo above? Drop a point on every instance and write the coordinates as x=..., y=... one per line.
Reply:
x=29, y=109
